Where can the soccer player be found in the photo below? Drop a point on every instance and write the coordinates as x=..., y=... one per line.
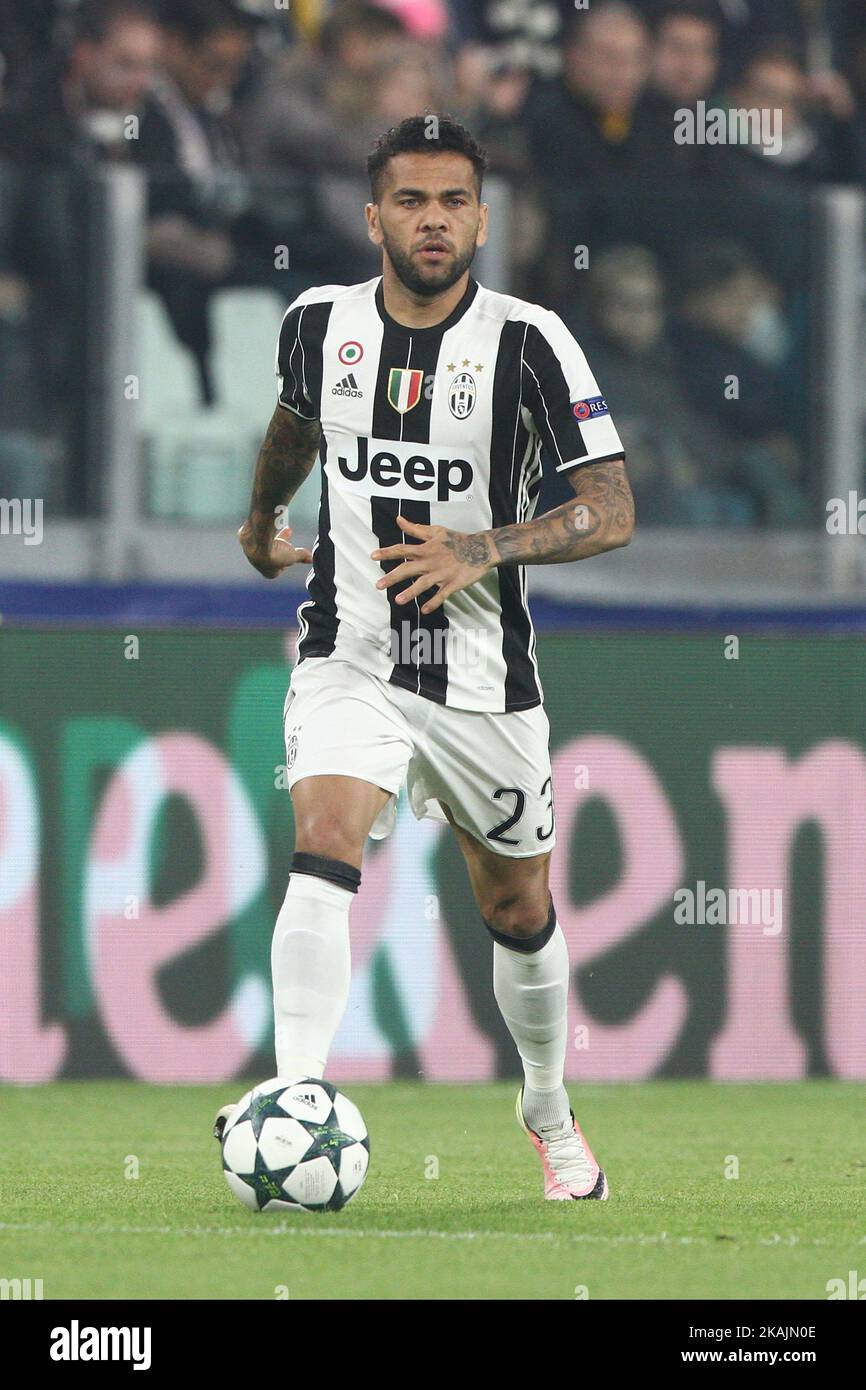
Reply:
x=428, y=400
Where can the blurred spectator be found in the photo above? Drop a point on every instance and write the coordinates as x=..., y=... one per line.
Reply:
x=678, y=463
x=603, y=148
x=735, y=362
x=812, y=25
x=722, y=294
x=490, y=93
x=305, y=109
x=500, y=51
x=321, y=111
x=212, y=225
x=73, y=112
x=198, y=191
x=814, y=119
x=185, y=130
x=591, y=121
x=685, y=68
x=525, y=35
x=75, y=106
x=686, y=51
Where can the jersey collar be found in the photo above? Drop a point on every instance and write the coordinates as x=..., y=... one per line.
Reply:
x=456, y=313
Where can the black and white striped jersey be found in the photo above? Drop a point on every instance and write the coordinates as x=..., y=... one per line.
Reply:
x=444, y=426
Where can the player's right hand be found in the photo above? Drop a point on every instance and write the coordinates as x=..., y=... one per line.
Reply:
x=278, y=555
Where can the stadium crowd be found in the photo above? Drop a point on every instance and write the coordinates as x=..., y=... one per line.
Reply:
x=681, y=264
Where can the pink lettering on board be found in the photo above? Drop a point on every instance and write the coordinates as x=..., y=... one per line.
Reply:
x=30, y=1051
x=131, y=939
x=653, y=868
x=768, y=797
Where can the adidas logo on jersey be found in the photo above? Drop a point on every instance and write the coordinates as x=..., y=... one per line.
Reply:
x=347, y=387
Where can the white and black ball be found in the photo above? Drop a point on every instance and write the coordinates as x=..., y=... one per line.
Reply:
x=292, y=1145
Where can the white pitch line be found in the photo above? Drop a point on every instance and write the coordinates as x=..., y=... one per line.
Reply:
x=349, y=1233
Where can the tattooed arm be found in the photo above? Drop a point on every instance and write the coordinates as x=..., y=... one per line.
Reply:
x=286, y=457
x=600, y=518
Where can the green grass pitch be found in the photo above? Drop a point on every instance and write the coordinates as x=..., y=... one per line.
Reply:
x=675, y=1227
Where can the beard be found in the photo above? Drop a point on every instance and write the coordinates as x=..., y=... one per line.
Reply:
x=438, y=278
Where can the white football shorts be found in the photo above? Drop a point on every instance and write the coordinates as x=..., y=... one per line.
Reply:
x=491, y=770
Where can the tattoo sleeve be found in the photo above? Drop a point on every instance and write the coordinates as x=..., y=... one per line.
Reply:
x=600, y=518
x=286, y=457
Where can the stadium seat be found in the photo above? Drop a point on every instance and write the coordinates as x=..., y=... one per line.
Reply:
x=198, y=461
x=167, y=370
x=199, y=467
x=245, y=324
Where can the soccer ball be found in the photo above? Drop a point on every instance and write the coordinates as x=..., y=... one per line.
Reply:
x=292, y=1145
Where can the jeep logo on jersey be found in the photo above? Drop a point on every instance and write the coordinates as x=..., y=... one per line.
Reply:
x=405, y=385
x=461, y=396
x=393, y=468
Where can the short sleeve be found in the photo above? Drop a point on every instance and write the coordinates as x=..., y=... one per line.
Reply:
x=562, y=396
x=291, y=364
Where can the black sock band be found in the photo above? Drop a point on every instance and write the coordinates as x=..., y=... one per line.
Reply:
x=332, y=870
x=527, y=945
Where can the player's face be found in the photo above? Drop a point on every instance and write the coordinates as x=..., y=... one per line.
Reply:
x=428, y=220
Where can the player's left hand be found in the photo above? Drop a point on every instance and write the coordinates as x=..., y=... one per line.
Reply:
x=449, y=560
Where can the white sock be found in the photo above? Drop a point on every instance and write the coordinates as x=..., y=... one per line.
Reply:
x=531, y=989
x=311, y=971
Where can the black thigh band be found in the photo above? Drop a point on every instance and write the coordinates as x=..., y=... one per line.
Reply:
x=528, y=945
x=332, y=870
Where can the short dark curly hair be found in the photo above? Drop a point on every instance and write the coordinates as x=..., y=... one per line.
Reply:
x=428, y=134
